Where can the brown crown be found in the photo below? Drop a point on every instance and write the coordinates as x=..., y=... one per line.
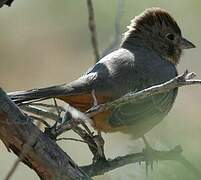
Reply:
x=151, y=17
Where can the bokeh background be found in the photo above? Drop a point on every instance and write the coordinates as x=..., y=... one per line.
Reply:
x=47, y=42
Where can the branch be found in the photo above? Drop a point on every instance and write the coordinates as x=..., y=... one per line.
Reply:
x=92, y=28
x=101, y=168
x=13, y=169
x=173, y=154
x=182, y=80
x=40, y=112
x=34, y=148
x=117, y=27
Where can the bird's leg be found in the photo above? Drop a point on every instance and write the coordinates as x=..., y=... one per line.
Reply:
x=98, y=139
x=95, y=103
x=148, y=154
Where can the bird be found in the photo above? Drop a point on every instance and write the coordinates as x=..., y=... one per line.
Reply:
x=149, y=53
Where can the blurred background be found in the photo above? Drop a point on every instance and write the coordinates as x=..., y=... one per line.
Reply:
x=46, y=42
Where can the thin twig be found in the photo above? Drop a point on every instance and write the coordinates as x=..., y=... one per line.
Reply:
x=71, y=139
x=100, y=169
x=40, y=112
x=48, y=105
x=117, y=29
x=74, y=139
x=13, y=169
x=189, y=166
x=87, y=128
x=57, y=108
x=86, y=137
x=181, y=80
x=92, y=28
x=40, y=120
x=173, y=154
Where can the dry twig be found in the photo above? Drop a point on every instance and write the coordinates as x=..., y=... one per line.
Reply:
x=182, y=80
x=117, y=29
x=92, y=28
x=40, y=112
x=173, y=154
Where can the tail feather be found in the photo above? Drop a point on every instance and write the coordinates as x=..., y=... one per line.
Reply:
x=80, y=86
x=22, y=97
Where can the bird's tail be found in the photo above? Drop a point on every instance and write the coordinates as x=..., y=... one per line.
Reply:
x=23, y=97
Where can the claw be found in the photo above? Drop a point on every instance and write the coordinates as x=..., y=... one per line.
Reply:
x=148, y=154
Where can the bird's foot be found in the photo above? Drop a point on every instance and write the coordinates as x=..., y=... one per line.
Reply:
x=51, y=131
x=148, y=152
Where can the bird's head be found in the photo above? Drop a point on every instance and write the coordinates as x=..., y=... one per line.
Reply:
x=155, y=28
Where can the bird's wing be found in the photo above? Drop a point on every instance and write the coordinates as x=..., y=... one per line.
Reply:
x=145, y=109
x=80, y=86
x=103, y=78
x=140, y=116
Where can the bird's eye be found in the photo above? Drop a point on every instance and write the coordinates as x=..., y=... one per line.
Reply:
x=170, y=36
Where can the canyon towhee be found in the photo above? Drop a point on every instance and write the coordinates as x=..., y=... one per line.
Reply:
x=148, y=55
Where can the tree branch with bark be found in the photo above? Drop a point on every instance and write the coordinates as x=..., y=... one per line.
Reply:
x=32, y=146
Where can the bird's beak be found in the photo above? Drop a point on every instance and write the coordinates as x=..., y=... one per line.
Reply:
x=185, y=44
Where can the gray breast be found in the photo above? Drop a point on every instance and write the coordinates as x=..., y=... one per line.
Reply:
x=149, y=70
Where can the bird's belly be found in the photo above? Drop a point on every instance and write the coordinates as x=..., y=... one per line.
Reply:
x=101, y=123
x=135, y=119
x=137, y=129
